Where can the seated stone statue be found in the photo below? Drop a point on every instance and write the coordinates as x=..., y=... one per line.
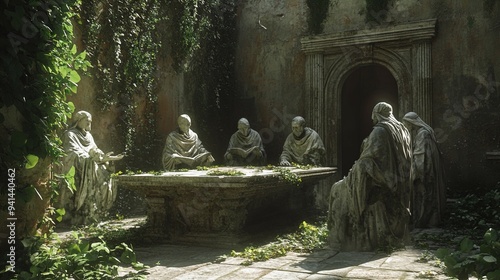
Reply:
x=95, y=193
x=245, y=147
x=369, y=208
x=303, y=145
x=183, y=148
x=429, y=197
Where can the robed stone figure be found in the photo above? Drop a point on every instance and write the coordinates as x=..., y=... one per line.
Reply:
x=303, y=145
x=183, y=148
x=95, y=191
x=428, y=195
x=245, y=147
x=369, y=208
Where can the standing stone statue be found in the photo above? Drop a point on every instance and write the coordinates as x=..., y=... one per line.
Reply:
x=183, y=148
x=428, y=199
x=95, y=192
x=369, y=208
x=245, y=147
x=303, y=145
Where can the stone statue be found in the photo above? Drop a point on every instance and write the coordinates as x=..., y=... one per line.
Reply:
x=245, y=147
x=183, y=148
x=95, y=192
x=369, y=208
x=303, y=145
x=428, y=196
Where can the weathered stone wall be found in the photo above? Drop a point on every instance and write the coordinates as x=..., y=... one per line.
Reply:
x=465, y=113
x=270, y=78
x=270, y=67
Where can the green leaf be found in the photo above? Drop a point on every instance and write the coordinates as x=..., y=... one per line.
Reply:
x=70, y=177
x=74, y=76
x=82, y=55
x=71, y=172
x=84, y=247
x=490, y=259
x=441, y=253
x=73, y=87
x=61, y=211
x=73, y=49
x=64, y=70
x=74, y=249
x=31, y=161
x=466, y=245
x=71, y=107
x=490, y=235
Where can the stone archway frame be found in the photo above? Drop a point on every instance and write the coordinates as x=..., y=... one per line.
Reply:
x=404, y=49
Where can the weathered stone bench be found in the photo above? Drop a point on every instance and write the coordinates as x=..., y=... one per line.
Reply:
x=193, y=207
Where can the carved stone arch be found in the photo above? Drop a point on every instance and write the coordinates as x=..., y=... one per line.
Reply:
x=404, y=50
x=341, y=70
x=392, y=61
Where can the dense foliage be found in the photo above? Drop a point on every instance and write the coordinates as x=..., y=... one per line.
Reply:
x=478, y=259
x=476, y=217
x=39, y=65
x=123, y=42
x=130, y=41
x=76, y=258
x=306, y=239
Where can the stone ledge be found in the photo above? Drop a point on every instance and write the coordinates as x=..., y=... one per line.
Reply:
x=414, y=31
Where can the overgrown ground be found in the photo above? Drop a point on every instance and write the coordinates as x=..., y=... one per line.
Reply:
x=467, y=244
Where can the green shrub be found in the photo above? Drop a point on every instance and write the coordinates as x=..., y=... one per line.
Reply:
x=306, y=239
x=77, y=258
x=470, y=259
x=476, y=211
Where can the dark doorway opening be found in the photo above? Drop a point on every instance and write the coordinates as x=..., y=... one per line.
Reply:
x=362, y=90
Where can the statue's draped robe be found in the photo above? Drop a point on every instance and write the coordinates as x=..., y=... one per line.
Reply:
x=429, y=189
x=369, y=208
x=95, y=192
x=240, y=141
x=308, y=149
x=186, y=145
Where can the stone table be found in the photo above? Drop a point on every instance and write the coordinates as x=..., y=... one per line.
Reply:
x=198, y=208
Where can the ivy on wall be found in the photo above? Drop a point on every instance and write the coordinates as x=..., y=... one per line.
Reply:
x=376, y=10
x=125, y=39
x=489, y=5
x=122, y=39
x=212, y=69
x=318, y=11
x=39, y=65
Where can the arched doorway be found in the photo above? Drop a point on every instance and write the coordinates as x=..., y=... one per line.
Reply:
x=363, y=88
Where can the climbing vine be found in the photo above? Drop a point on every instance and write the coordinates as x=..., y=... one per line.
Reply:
x=212, y=67
x=125, y=40
x=318, y=11
x=122, y=39
x=39, y=69
x=376, y=10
